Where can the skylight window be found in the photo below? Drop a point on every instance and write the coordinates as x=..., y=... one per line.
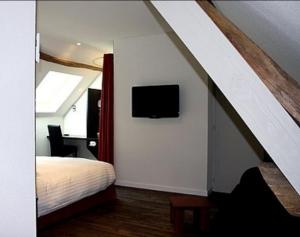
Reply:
x=54, y=89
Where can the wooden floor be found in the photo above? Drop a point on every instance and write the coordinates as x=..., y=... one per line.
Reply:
x=137, y=213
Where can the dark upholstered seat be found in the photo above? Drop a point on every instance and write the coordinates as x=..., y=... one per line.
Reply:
x=57, y=146
x=252, y=209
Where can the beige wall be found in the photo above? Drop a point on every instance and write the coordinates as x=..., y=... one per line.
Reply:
x=167, y=154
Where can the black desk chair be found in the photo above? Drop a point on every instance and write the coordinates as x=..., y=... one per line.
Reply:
x=57, y=146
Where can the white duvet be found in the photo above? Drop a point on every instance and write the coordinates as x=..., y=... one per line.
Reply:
x=62, y=180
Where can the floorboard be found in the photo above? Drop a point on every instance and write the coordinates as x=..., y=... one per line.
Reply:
x=137, y=213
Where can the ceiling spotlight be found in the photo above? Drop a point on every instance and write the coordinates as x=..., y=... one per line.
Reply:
x=78, y=44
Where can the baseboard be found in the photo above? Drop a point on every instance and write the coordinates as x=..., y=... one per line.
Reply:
x=209, y=192
x=156, y=187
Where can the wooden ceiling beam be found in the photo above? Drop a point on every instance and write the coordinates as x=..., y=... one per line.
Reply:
x=281, y=187
x=235, y=76
x=67, y=63
x=285, y=89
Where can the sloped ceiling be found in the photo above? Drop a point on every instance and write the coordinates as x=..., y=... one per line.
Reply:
x=95, y=24
x=273, y=25
x=67, y=49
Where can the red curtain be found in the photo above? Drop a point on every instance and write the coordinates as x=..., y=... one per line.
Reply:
x=106, y=123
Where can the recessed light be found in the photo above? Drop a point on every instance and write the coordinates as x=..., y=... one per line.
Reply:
x=78, y=44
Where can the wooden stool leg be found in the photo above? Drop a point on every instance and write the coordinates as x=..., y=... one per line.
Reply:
x=204, y=222
x=178, y=221
x=196, y=217
x=172, y=214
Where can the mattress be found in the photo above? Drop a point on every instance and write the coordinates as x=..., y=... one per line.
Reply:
x=61, y=181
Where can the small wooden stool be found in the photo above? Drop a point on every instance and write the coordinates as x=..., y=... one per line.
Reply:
x=199, y=206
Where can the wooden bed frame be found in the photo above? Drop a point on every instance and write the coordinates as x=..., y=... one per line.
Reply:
x=105, y=196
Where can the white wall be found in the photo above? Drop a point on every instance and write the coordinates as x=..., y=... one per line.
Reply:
x=162, y=154
x=42, y=142
x=17, y=169
x=211, y=137
x=75, y=120
x=233, y=148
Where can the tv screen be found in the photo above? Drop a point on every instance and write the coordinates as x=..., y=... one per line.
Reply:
x=155, y=101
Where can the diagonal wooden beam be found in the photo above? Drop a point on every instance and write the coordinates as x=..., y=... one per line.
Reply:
x=254, y=102
x=281, y=187
x=67, y=63
x=283, y=87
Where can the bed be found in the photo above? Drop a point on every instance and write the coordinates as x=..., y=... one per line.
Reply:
x=66, y=186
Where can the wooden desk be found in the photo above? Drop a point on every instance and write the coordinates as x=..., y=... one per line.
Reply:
x=87, y=146
x=79, y=138
x=75, y=137
x=85, y=149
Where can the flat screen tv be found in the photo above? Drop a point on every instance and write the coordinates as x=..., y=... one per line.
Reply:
x=160, y=101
